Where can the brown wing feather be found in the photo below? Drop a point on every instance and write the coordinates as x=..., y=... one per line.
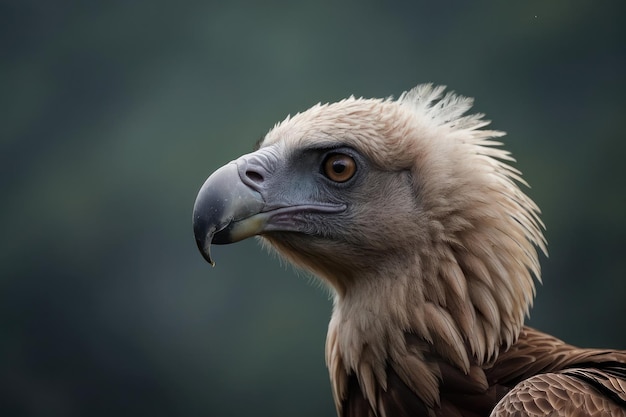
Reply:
x=548, y=377
x=536, y=352
x=557, y=395
x=538, y=376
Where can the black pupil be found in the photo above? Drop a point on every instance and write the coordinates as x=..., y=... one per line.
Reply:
x=339, y=167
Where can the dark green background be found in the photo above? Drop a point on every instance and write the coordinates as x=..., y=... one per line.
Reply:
x=113, y=114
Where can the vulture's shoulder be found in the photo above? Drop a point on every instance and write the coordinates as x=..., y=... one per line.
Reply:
x=538, y=376
x=536, y=352
x=545, y=376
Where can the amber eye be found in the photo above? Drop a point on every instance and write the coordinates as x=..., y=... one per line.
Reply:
x=339, y=167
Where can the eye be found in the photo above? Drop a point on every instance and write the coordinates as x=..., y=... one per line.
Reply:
x=339, y=167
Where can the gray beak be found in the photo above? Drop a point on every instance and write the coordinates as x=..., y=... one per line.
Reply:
x=226, y=210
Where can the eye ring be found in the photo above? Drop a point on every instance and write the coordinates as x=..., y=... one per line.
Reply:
x=339, y=167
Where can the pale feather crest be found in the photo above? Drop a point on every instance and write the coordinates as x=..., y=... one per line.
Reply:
x=445, y=109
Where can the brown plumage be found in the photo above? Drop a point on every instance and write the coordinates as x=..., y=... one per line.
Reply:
x=411, y=213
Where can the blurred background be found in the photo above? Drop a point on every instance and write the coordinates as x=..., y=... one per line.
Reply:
x=114, y=113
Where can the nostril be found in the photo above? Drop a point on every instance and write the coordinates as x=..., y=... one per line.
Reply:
x=255, y=169
x=255, y=176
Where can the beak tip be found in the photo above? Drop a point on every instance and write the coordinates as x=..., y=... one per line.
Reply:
x=223, y=198
x=204, y=245
x=207, y=257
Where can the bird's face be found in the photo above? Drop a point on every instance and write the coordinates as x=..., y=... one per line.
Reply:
x=316, y=195
x=320, y=206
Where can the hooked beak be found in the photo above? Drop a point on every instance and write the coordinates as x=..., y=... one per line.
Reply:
x=226, y=210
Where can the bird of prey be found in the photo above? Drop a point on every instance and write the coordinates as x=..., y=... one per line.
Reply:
x=412, y=214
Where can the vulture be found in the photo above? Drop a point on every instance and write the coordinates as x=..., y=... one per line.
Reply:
x=413, y=215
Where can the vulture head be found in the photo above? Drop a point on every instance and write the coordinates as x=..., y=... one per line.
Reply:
x=410, y=212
